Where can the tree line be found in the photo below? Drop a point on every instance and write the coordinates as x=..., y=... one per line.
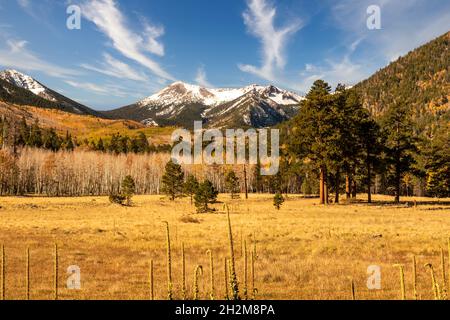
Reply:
x=18, y=134
x=333, y=145
x=336, y=139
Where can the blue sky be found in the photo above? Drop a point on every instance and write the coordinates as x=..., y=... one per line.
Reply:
x=127, y=50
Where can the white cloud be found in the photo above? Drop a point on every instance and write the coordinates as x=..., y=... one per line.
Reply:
x=17, y=56
x=260, y=21
x=116, y=68
x=201, y=78
x=405, y=25
x=334, y=72
x=24, y=3
x=106, y=15
x=107, y=90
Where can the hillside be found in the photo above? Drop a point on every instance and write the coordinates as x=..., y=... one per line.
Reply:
x=19, y=88
x=83, y=126
x=421, y=79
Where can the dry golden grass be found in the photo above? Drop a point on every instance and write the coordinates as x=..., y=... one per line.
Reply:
x=305, y=251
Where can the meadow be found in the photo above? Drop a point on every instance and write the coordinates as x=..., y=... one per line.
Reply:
x=304, y=251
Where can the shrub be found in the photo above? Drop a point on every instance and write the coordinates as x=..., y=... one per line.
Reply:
x=128, y=189
x=117, y=199
x=206, y=194
x=278, y=201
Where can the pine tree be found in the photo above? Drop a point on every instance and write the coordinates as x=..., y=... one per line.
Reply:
x=278, y=201
x=114, y=144
x=400, y=144
x=140, y=144
x=313, y=132
x=128, y=189
x=372, y=147
x=206, y=194
x=437, y=164
x=232, y=184
x=100, y=145
x=51, y=140
x=191, y=186
x=68, y=143
x=172, y=181
x=35, y=139
x=258, y=178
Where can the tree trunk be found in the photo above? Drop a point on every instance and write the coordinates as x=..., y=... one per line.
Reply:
x=322, y=186
x=245, y=182
x=354, y=189
x=348, y=183
x=397, y=184
x=369, y=183
x=337, y=183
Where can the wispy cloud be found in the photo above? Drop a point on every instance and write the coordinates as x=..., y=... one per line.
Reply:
x=201, y=78
x=115, y=68
x=105, y=14
x=24, y=3
x=405, y=25
x=107, y=90
x=342, y=71
x=16, y=55
x=260, y=21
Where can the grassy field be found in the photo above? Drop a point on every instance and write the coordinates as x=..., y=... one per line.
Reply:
x=305, y=251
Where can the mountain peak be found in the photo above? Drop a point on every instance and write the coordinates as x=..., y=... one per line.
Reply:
x=50, y=98
x=24, y=81
x=182, y=103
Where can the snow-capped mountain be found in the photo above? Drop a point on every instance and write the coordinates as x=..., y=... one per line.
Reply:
x=26, y=82
x=182, y=103
x=48, y=97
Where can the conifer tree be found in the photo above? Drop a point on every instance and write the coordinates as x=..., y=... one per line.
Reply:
x=191, y=186
x=206, y=194
x=35, y=139
x=128, y=189
x=400, y=143
x=232, y=184
x=173, y=180
x=313, y=132
x=278, y=200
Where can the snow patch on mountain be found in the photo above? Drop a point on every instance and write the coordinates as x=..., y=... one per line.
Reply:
x=26, y=82
x=180, y=93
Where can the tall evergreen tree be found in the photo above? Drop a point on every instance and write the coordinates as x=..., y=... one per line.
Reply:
x=128, y=189
x=400, y=143
x=313, y=132
x=35, y=139
x=232, y=184
x=191, y=186
x=206, y=194
x=437, y=164
x=173, y=181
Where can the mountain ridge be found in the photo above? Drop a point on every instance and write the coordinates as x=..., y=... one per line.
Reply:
x=182, y=103
x=14, y=86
